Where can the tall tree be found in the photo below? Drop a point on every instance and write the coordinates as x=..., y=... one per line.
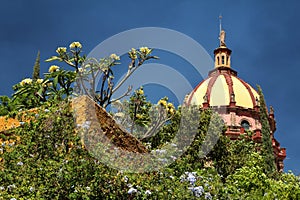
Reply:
x=267, y=149
x=36, y=68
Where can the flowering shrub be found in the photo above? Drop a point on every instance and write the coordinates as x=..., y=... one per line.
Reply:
x=142, y=118
x=60, y=83
x=45, y=158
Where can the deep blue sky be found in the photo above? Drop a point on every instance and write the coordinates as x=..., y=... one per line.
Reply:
x=263, y=35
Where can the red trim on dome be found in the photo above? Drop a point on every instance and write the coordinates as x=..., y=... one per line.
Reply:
x=249, y=90
x=229, y=83
x=210, y=84
x=193, y=92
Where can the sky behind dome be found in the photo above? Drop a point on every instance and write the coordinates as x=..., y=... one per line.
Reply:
x=263, y=35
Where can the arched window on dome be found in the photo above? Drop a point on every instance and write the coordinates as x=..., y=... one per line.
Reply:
x=223, y=60
x=245, y=124
x=218, y=59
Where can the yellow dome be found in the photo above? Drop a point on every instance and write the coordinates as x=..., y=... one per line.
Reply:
x=222, y=88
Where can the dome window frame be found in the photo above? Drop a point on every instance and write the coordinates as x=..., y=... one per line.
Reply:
x=245, y=124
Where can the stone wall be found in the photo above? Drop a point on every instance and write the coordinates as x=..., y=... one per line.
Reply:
x=98, y=126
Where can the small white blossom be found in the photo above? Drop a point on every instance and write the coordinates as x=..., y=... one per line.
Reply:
x=2, y=188
x=75, y=45
x=31, y=189
x=40, y=80
x=160, y=151
x=132, y=190
x=114, y=56
x=132, y=54
x=22, y=123
x=11, y=144
x=148, y=192
x=125, y=179
x=26, y=81
x=145, y=50
x=197, y=191
x=10, y=187
x=61, y=50
x=88, y=188
x=208, y=196
x=80, y=69
x=191, y=178
x=53, y=68
x=173, y=157
x=20, y=163
x=13, y=199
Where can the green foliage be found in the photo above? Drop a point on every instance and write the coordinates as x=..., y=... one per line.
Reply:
x=142, y=118
x=139, y=109
x=50, y=162
x=230, y=155
x=267, y=149
x=6, y=105
x=45, y=158
x=27, y=94
x=60, y=84
x=251, y=182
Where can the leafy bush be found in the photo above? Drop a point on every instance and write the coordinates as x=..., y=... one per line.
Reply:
x=45, y=159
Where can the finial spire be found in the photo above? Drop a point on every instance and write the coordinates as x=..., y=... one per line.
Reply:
x=220, y=21
x=222, y=33
x=222, y=53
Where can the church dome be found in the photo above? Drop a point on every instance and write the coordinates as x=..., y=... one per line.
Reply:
x=223, y=87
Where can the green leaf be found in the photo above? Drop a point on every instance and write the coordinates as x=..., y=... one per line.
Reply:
x=55, y=81
x=53, y=58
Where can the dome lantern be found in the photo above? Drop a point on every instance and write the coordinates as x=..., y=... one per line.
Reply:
x=222, y=53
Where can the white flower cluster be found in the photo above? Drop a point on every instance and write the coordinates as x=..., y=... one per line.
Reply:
x=26, y=81
x=53, y=68
x=132, y=190
x=160, y=151
x=114, y=56
x=74, y=45
x=197, y=191
x=189, y=176
x=61, y=50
